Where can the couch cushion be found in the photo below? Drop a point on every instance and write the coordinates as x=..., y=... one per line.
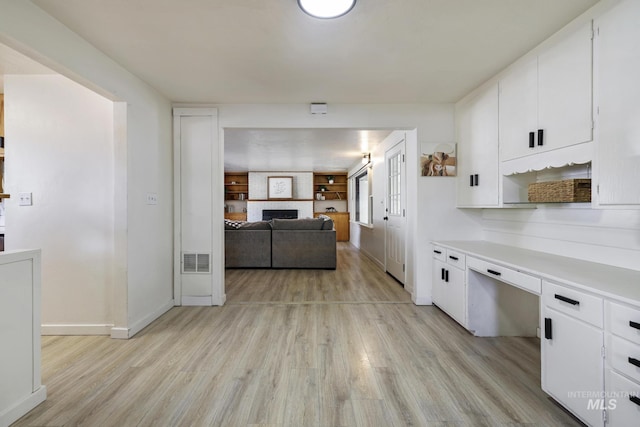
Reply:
x=258, y=225
x=297, y=224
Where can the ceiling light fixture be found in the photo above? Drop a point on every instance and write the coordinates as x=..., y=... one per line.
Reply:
x=326, y=9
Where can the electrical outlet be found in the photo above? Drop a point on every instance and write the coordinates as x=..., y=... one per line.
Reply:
x=24, y=199
x=152, y=198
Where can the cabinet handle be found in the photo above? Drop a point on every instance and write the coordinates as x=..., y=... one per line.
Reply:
x=540, y=136
x=446, y=276
x=495, y=273
x=634, y=325
x=635, y=399
x=455, y=258
x=476, y=181
x=532, y=139
x=634, y=362
x=548, y=330
x=437, y=251
x=442, y=273
x=470, y=180
x=567, y=300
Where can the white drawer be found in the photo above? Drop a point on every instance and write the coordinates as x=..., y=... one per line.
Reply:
x=456, y=258
x=623, y=321
x=440, y=253
x=622, y=399
x=505, y=274
x=580, y=305
x=624, y=356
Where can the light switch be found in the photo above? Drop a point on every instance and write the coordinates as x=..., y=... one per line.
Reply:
x=152, y=198
x=24, y=199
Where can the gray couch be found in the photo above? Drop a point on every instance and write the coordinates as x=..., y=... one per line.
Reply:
x=281, y=243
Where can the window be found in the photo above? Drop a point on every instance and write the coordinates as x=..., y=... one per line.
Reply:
x=363, y=198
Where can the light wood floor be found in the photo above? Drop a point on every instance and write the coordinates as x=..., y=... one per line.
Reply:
x=297, y=348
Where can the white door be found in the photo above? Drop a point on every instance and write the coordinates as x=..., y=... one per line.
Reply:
x=395, y=216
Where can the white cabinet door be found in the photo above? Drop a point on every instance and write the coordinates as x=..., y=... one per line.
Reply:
x=437, y=291
x=518, y=110
x=546, y=103
x=456, y=295
x=572, y=364
x=449, y=291
x=478, y=151
x=565, y=91
x=617, y=68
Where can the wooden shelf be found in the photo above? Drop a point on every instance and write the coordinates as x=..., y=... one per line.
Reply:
x=235, y=184
x=335, y=191
x=4, y=196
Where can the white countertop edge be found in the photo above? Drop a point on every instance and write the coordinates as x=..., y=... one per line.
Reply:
x=7, y=257
x=613, y=292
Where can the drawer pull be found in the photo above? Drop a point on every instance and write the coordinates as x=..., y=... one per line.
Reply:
x=634, y=362
x=548, y=332
x=634, y=325
x=437, y=251
x=567, y=300
x=495, y=273
x=635, y=399
x=540, y=136
x=455, y=258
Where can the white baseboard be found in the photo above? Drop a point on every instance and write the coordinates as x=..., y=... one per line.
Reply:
x=21, y=408
x=197, y=301
x=120, y=333
x=372, y=258
x=146, y=321
x=75, y=329
x=422, y=301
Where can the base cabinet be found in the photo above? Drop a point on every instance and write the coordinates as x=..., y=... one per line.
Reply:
x=572, y=364
x=449, y=290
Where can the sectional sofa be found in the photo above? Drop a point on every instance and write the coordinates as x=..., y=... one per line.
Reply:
x=281, y=243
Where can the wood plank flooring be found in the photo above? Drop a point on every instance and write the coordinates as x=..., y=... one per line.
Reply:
x=298, y=348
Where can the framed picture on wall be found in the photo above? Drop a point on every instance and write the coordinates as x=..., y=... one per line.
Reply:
x=438, y=159
x=280, y=187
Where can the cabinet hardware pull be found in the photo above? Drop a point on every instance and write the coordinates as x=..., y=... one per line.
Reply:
x=634, y=362
x=634, y=325
x=470, y=180
x=567, y=300
x=455, y=258
x=446, y=276
x=442, y=273
x=532, y=139
x=437, y=251
x=548, y=331
x=476, y=180
x=635, y=399
x=540, y=136
x=495, y=273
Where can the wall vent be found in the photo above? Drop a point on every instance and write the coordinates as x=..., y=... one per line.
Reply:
x=193, y=262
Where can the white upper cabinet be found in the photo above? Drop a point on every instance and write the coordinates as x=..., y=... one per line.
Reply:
x=477, y=127
x=617, y=97
x=546, y=103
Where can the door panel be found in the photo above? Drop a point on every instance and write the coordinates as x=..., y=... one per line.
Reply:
x=395, y=212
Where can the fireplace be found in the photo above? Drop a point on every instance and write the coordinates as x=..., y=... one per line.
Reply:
x=268, y=214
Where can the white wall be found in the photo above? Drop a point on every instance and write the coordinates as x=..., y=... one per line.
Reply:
x=143, y=160
x=60, y=149
x=431, y=212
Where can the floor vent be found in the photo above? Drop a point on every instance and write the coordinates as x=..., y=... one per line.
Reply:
x=193, y=262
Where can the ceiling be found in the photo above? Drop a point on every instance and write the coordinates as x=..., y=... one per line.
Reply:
x=269, y=51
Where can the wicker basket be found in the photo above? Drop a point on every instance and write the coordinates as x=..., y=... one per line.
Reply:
x=567, y=191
